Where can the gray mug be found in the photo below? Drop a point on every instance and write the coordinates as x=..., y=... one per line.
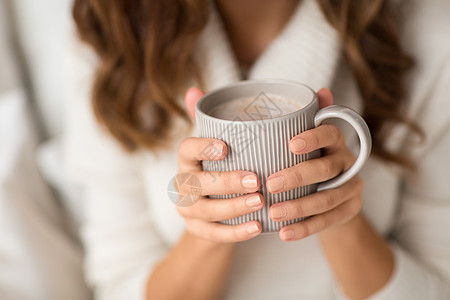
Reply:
x=262, y=145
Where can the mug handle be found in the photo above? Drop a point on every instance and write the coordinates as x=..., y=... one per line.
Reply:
x=360, y=126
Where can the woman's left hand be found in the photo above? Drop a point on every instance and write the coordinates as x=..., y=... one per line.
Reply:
x=327, y=208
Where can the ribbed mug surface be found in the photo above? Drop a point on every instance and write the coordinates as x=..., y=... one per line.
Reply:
x=260, y=146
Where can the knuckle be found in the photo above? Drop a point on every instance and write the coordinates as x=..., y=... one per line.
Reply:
x=324, y=223
x=204, y=211
x=360, y=185
x=326, y=166
x=351, y=157
x=314, y=140
x=328, y=200
x=182, y=147
x=229, y=179
x=297, y=172
x=300, y=210
x=357, y=185
x=344, y=165
x=194, y=227
x=356, y=206
x=335, y=134
x=306, y=230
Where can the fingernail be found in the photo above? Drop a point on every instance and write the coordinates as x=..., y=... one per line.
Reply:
x=253, y=201
x=250, y=181
x=252, y=228
x=217, y=149
x=278, y=212
x=298, y=145
x=287, y=235
x=275, y=184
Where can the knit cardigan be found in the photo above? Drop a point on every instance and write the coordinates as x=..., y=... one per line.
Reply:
x=130, y=224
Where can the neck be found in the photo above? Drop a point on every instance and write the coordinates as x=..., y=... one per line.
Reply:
x=253, y=24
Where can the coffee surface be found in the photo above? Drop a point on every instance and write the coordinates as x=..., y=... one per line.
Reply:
x=261, y=107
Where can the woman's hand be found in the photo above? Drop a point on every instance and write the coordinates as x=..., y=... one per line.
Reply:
x=326, y=208
x=201, y=217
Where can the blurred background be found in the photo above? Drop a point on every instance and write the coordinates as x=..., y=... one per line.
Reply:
x=43, y=71
x=40, y=254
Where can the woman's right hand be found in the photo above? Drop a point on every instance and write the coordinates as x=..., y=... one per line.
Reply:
x=202, y=216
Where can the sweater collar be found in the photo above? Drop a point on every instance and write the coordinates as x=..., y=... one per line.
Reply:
x=215, y=55
x=307, y=50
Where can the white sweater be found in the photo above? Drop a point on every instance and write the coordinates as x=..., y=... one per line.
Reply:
x=130, y=223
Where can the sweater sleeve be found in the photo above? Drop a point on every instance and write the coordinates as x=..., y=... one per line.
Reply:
x=420, y=238
x=121, y=244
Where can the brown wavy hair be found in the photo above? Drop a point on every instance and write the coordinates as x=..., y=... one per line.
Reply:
x=146, y=61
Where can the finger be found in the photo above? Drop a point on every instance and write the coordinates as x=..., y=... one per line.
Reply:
x=192, y=96
x=223, y=183
x=316, y=203
x=317, y=223
x=308, y=172
x=213, y=210
x=222, y=233
x=324, y=136
x=325, y=97
x=192, y=150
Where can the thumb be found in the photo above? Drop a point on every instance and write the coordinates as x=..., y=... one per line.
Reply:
x=325, y=97
x=193, y=94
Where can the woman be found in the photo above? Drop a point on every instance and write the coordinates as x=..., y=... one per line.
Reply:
x=139, y=246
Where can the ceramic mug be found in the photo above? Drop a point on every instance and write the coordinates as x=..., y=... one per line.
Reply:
x=261, y=145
